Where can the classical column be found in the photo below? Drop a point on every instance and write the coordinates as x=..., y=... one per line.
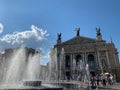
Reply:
x=96, y=59
x=108, y=62
x=71, y=60
x=115, y=60
x=74, y=67
x=99, y=61
x=85, y=58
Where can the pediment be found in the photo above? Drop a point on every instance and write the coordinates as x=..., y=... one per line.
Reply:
x=79, y=40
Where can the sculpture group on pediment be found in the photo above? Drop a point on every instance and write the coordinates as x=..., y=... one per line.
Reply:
x=59, y=36
x=98, y=31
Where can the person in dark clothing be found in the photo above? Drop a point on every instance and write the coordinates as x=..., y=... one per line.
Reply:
x=93, y=82
x=104, y=79
x=97, y=79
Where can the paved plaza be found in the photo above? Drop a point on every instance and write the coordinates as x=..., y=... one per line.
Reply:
x=115, y=86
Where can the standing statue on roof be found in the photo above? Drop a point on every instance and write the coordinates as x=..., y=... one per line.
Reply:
x=78, y=31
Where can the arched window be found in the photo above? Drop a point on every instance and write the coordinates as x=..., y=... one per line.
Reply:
x=104, y=64
x=67, y=61
x=91, y=61
x=78, y=60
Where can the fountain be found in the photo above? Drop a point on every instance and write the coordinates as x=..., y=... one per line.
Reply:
x=56, y=77
x=21, y=70
x=53, y=67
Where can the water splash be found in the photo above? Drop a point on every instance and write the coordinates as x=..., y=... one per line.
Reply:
x=33, y=67
x=22, y=65
x=53, y=67
x=16, y=67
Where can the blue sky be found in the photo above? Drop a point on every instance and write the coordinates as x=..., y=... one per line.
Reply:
x=41, y=20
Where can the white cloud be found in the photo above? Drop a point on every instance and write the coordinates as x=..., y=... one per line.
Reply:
x=1, y=28
x=19, y=37
x=45, y=58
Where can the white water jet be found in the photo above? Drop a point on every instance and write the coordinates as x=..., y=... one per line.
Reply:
x=53, y=67
x=33, y=67
x=23, y=65
x=61, y=64
x=16, y=67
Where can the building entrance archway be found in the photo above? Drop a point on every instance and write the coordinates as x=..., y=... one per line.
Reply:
x=67, y=61
x=91, y=61
x=78, y=60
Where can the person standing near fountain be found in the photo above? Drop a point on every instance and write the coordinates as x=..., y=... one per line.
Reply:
x=104, y=79
x=110, y=79
x=93, y=82
x=97, y=79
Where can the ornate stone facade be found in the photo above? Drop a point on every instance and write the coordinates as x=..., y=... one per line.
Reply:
x=100, y=56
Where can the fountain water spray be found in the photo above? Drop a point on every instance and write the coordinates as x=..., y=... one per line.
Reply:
x=23, y=65
x=16, y=67
x=53, y=67
x=33, y=67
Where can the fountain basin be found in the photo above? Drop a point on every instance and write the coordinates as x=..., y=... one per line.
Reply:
x=21, y=87
x=32, y=83
x=31, y=88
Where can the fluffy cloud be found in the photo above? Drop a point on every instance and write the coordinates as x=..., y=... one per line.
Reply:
x=35, y=33
x=45, y=58
x=1, y=28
